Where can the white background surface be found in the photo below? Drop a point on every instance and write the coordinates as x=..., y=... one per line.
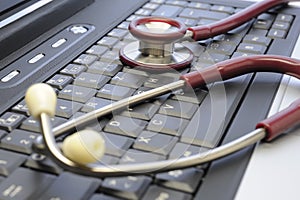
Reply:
x=274, y=169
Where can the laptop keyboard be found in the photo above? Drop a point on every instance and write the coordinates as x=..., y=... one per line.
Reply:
x=171, y=126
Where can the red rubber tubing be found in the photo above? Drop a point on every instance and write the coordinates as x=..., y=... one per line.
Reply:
x=235, y=20
x=225, y=70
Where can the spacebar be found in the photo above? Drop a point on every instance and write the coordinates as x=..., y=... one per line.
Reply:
x=212, y=117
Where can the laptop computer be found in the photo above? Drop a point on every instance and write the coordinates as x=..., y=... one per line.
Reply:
x=66, y=44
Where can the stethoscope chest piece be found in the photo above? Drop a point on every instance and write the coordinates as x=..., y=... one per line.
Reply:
x=156, y=48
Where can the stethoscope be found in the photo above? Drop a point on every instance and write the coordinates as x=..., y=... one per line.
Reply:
x=81, y=151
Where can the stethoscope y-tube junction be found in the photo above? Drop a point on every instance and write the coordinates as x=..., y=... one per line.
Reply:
x=44, y=96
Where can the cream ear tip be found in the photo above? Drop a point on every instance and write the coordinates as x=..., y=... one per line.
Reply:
x=84, y=147
x=40, y=98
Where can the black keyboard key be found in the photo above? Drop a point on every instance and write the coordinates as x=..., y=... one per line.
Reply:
x=130, y=187
x=77, y=93
x=73, y=70
x=252, y=48
x=136, y=156
x=234, y=39
x=97, y=50
x=224, y=9
x=178, y=109
x=285, y=18
x=222, y=48
x=167, y=11
x=128, y=80
x=160, y=193
x=103, y=197
x=258, y=32
x=9, y=161
x=176, y=3
x=90, y=80
x=104, y=68
x=71, y=187
x=125, y=126
x=42, y=163
x=202, y=6
x=206, y=14
x=253, y=39
x=194, y=96
x=281, y=25
x=95, y=103
x=182, y=150
x=19, y=140
x=211, y=57
x=108, y=160
x=85, y=59
x=191, y=13
x=108, y=42
x=143, y=111
x=151, y=6
x=185, y=180
x=155, y=142
x=59, y=81
x=167, y=124
x=31, y=124
x=118, y=33
x=155, y=81
x=25, y=184
x=65, y=108
x=22, y=108
x=116, y=145
x=143, y=12
x=10, y=121
x=276, y=33
x=264, y=21
x=111, y=57
x=115, y=92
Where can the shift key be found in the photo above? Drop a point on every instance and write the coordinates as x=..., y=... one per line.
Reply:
x=167, y=11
